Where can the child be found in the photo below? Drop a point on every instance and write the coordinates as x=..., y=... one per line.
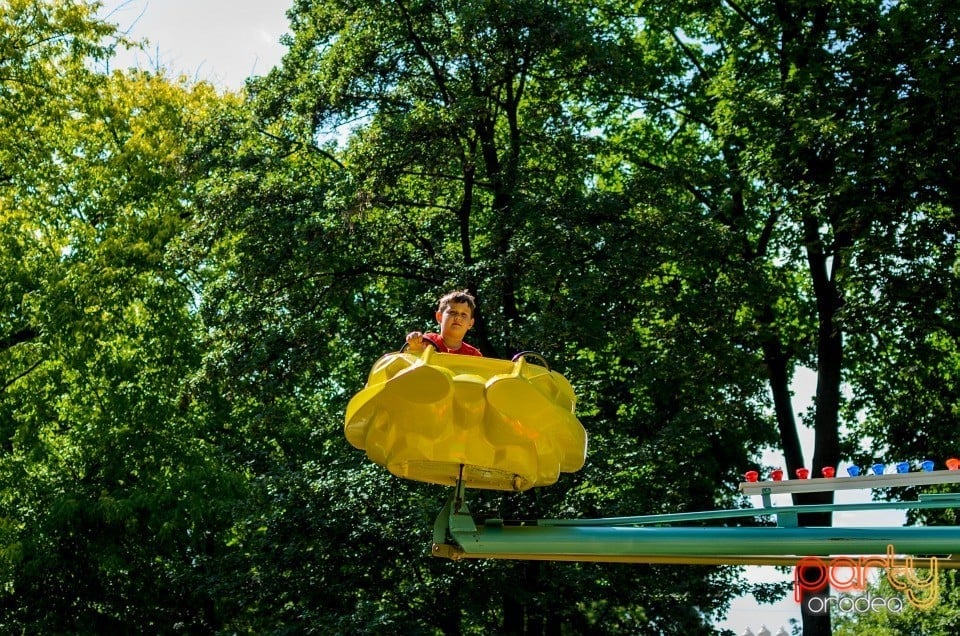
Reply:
x=455, y=316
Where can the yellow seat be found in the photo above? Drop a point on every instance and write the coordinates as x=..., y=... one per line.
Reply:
x=500, y=424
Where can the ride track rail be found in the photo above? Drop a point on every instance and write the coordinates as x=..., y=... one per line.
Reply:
x=655, y=538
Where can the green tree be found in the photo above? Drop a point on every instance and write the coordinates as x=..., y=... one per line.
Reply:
x=108, y=499
x=468, y=156
x=906, y=399
x=940, y=620
x=677, y=203
x=818, y=134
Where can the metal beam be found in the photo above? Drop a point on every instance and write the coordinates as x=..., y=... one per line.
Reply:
x=650, y=538
x=862, y=482
x=924, y=502
x=456, y=554
x=691, y=545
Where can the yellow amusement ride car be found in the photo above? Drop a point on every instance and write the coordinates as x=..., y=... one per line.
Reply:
x=469, y=421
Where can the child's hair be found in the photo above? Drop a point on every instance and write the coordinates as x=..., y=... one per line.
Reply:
x=458, y=296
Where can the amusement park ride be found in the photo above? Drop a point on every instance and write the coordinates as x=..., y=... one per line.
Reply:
x=485, y=423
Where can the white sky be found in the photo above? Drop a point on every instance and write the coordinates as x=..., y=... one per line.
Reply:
x=220, y=41
x=227, y=41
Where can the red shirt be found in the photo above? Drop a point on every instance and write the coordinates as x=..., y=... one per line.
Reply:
x=464, y=350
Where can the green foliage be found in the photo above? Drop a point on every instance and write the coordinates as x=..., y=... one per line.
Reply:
x=940, y=620
x=497, y=190
x=108, y=499
x=677, y=203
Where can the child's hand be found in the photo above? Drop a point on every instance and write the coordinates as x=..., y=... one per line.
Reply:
x=415, y=342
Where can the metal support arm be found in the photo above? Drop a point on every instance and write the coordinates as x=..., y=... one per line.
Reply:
x=648, y=539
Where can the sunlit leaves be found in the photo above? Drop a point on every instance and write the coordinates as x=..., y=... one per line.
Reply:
x=100, y=473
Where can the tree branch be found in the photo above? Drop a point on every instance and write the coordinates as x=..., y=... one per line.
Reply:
x=24, y=335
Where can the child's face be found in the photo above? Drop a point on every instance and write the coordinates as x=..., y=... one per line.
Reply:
x=455, y=320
